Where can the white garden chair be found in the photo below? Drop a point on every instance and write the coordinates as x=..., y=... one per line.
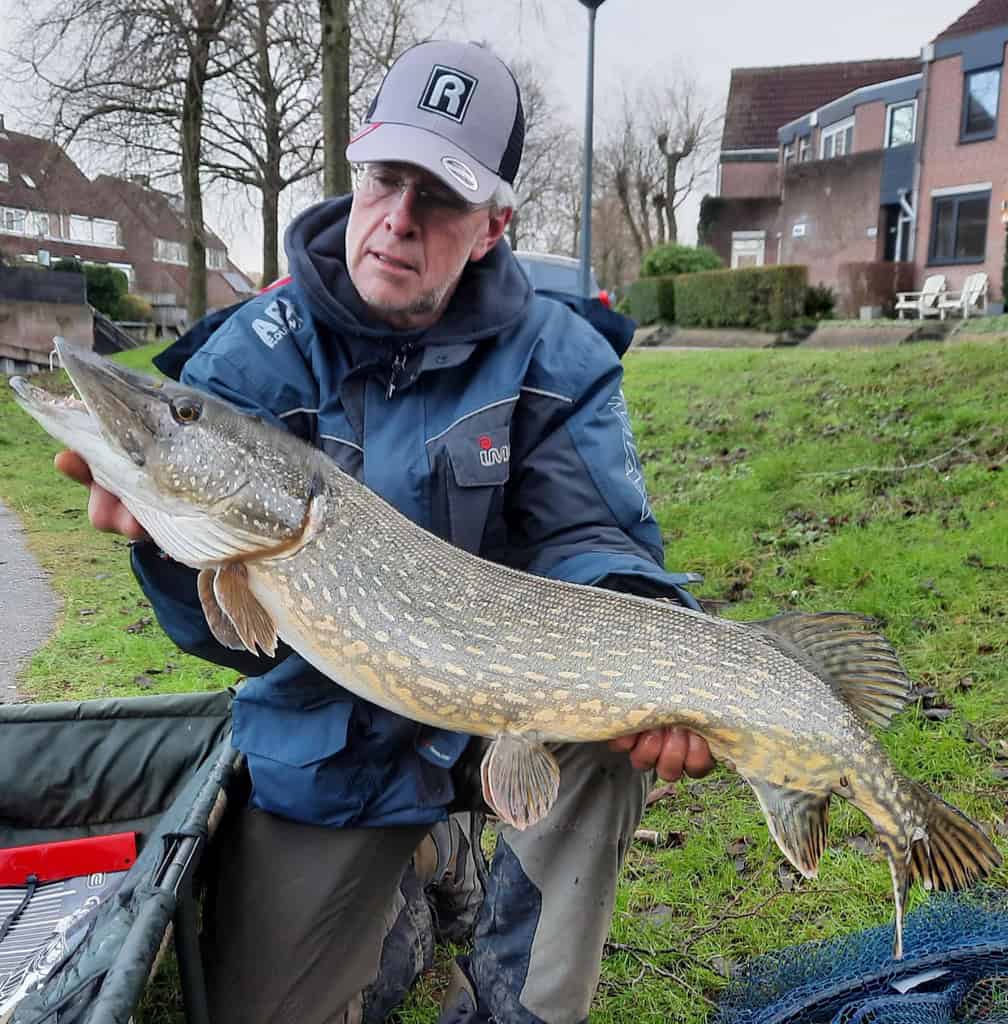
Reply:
x=923, y=303
x=973, y=297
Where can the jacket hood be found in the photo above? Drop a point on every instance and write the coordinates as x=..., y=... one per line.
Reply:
x=492, y=295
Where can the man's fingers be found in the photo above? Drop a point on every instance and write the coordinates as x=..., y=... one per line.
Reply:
x=674, y=746
x=624, y=743
x=699, y=760
x=72, y=465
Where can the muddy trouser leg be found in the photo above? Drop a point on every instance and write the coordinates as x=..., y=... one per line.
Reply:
x=539, y=937
x=300, y=916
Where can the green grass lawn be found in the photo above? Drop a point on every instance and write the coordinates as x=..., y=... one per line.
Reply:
x=875, y=481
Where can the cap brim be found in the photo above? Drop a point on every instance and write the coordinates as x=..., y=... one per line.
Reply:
x=402, y=143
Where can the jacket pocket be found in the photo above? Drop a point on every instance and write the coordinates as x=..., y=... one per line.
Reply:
x=297, y=756
x=472, y=468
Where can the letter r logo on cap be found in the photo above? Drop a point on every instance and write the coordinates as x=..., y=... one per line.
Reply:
x=448, y=92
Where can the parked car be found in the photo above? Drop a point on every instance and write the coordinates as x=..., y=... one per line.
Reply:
x=549, y=273
x=559, y=277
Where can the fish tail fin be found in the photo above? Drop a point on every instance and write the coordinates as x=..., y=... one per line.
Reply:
x=953, y=851
x=944, y=850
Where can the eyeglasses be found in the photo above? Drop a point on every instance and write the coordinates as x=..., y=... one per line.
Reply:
x=379, y=184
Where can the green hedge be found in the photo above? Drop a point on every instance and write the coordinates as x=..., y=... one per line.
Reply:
x=672, y=258
x=767, y=298
x=652, y=298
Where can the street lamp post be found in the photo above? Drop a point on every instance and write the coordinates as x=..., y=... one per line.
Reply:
x=586, y=204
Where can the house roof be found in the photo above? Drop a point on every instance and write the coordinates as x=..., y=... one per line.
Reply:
x=984, y=15
x=158, y=211
x=54, y=182
x=761, y=100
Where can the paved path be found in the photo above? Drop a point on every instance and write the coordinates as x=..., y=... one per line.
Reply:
x=28, y=605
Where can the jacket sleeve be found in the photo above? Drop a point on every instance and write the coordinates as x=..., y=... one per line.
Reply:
x=577, y=504
x=169, y=586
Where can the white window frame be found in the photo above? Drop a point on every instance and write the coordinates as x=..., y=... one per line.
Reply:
x=216, y=259
x=167, y=251
x=834, y=132
x=4, y=172
x=12, y=220
x=789, y=154
x=748, y=243
x=890, y=110
x=804, y=149
x=28, y=180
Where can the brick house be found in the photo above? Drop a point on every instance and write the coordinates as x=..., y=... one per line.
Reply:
x=892, y=161
x=50, y=210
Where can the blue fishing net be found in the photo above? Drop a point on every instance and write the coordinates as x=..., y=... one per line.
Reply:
x=954, y=969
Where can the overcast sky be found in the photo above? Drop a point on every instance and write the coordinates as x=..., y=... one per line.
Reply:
x=639, y=41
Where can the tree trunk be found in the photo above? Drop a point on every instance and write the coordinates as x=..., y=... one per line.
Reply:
x=272, y=183
x=645, y=216
x=335, y=18
x=623, y=191
x=671, y=168
x=659, y=209
x=192, y=193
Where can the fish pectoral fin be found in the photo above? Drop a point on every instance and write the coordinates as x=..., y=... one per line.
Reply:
x=520, y=778
x=250, y=621
x=798, y=821
x=220, y=625
x=856, y=659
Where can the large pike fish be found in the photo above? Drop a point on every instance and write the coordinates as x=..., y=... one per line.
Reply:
x=289, y=546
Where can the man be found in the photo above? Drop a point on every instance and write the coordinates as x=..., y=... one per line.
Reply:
x=407, y=344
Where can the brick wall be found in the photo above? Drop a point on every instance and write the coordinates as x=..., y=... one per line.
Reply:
x=869, y=126
x=949, y=163
x=835, y=204
x=745, y=180
x=27, y=330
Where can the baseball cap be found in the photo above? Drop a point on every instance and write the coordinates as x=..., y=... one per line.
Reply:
x=451, y=108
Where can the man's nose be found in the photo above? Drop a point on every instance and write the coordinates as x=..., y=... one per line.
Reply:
x=401, y=217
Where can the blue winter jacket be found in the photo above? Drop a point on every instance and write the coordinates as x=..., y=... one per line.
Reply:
x=502, y=429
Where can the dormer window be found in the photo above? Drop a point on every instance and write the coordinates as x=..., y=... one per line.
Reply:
x=837, y=139
x=981, y=90
x=28, y=180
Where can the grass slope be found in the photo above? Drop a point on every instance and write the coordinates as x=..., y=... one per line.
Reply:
x=867, y=480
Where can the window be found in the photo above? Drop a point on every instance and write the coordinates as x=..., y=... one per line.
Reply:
x=959, y=228
x=170, y=252
x=28, y=180
x=980, y=104
x=789, y=154
x=837, y=140
x=748, y=249
x=804, y=149
x=4, y=172
x=37, y=224
x=216, y=259
x=105, y=232
x=901, y=122
x=12, y=220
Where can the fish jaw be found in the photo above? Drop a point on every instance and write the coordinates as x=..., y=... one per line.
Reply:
x=207, y=482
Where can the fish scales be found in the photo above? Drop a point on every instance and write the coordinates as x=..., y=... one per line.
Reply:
x=289, y=547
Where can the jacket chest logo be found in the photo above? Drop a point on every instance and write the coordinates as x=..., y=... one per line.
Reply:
x=491, y=454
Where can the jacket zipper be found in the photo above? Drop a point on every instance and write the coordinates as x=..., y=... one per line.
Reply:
x=398, y=365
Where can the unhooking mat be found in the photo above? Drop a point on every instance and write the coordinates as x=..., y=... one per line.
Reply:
x=79, y=937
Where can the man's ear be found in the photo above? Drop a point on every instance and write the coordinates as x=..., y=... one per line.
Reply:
x=497, y=223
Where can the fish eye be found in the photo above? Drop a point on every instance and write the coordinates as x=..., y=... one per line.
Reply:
x=186, y=410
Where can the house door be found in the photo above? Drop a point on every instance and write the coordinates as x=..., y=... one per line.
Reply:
x=893, y=235
x=748, y=249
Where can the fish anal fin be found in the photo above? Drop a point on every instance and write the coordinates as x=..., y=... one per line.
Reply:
x=253, y=624
x=850, y=654
x=217, y=619
x=520, y=778
x=798, y=821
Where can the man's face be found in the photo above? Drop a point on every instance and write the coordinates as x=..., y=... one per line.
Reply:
x=408, y=240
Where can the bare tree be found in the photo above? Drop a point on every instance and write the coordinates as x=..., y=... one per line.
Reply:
x=134, y=73
x=261, y=127
x=686, y=128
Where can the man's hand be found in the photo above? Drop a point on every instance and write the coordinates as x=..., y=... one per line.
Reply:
x=670, y=751
x=106, y=512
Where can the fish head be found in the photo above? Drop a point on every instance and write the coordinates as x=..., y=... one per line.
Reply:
x=209, y=482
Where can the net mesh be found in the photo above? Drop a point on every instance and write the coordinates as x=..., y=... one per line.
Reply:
x=954, y=969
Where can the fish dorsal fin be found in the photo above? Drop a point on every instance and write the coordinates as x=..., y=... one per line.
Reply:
x=798, y=821
x=852, y=655
x=220, y=625
x=253, y=625
x=520, y=778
